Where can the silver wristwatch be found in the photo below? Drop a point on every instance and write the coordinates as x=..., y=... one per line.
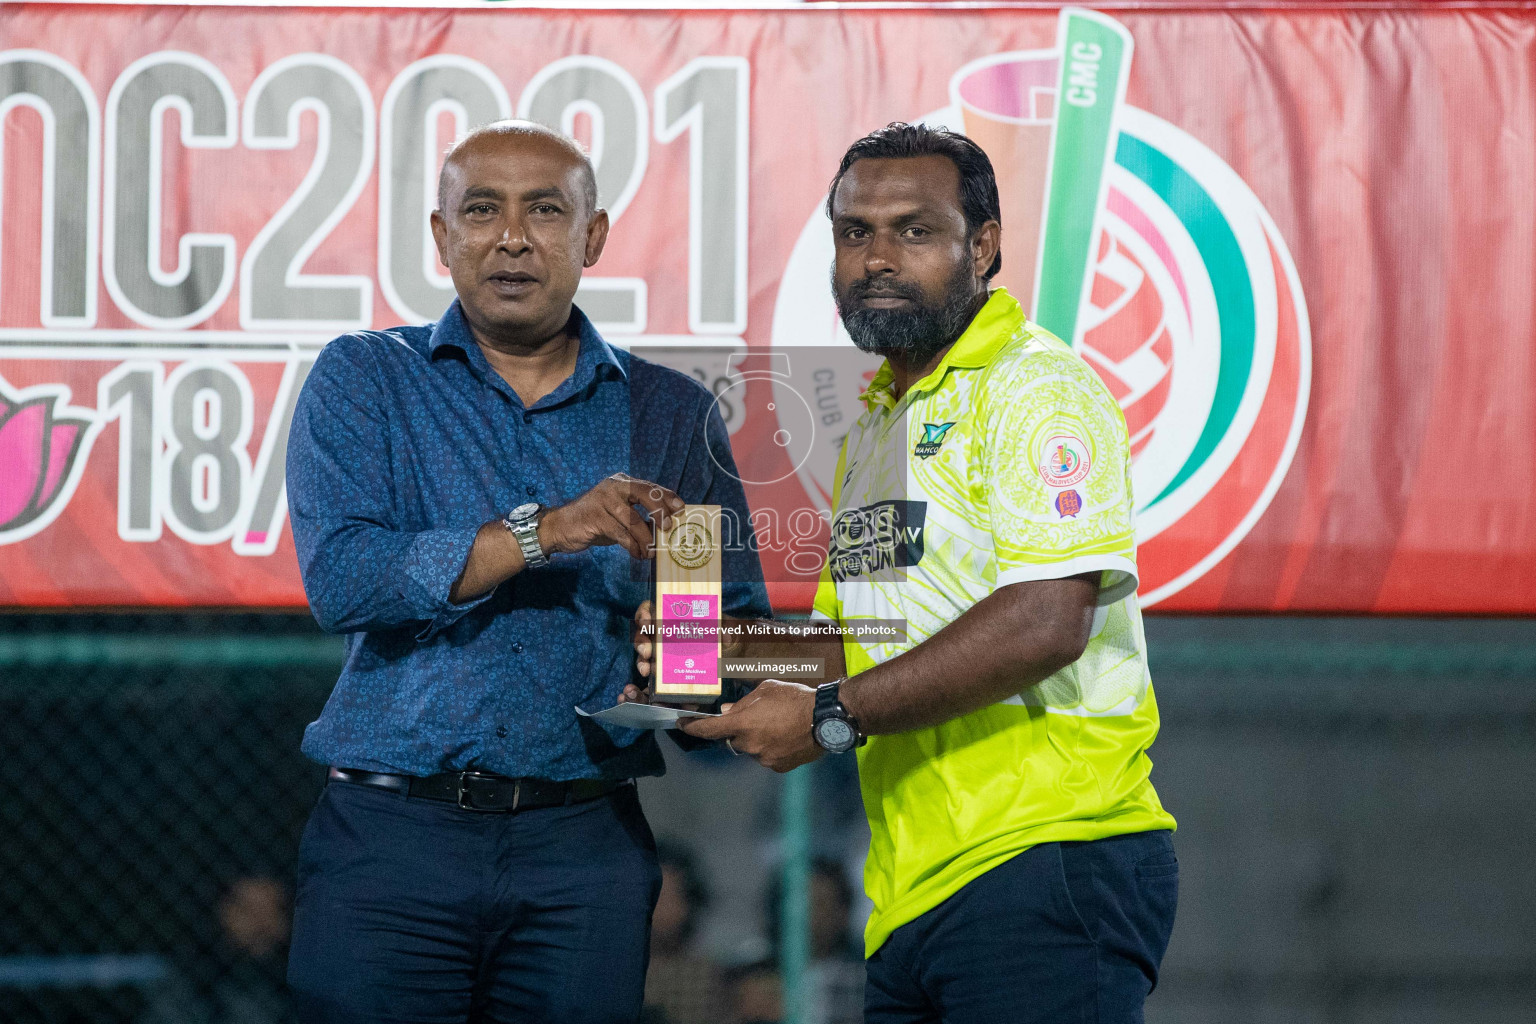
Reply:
x=523, y=523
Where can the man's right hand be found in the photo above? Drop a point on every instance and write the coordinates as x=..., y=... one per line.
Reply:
x=645, y=646
x=606, y=515
x=645, y=652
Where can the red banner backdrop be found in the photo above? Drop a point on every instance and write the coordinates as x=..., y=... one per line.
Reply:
x=1297, y=244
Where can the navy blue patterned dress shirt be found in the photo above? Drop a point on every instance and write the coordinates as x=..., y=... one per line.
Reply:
x=404, y=443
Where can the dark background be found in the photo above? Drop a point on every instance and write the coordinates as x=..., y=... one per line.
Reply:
x=1354, y=796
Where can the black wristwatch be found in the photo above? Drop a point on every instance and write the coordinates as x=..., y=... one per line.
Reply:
x=832, y=727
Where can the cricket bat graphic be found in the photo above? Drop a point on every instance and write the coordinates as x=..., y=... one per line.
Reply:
x=1095, y=63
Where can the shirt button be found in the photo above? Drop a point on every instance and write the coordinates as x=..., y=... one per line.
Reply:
x=532, y=490
x=501, y=731
x=517, y=647
x=527, y=417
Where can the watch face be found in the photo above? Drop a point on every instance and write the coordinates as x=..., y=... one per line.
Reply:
x=835, y=734
x=524, y=511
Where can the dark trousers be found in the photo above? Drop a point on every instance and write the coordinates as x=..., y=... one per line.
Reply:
x=413, y=911
x=1064, y=933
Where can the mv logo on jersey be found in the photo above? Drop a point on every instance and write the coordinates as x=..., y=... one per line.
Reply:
x=876, y=541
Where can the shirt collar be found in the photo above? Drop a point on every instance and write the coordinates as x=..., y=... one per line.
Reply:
x=592, y=354
x=989, y=331
x=595, y=353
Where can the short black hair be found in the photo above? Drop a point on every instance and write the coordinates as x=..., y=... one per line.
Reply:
x=978, y=183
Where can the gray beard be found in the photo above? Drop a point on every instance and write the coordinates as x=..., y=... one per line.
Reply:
x=913, y=335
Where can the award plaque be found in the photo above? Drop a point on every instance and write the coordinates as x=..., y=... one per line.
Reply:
x=687, y=652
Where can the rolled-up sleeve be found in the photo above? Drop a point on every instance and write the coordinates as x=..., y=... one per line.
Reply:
x=360, y=570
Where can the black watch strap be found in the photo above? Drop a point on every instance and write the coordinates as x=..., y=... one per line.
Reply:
x=828, y=701
x=829, y=704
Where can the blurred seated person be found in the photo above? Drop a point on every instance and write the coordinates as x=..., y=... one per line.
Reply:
x=682, y=986
x=240, y=979
x=835, y=975
x=756, y=994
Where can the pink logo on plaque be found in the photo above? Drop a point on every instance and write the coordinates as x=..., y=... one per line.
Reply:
x=690, y=662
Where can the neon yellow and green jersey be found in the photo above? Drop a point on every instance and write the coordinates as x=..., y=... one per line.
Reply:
x=1010, y=462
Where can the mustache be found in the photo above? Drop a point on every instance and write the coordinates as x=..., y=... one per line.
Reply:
x=915, y=333
x=866, y=287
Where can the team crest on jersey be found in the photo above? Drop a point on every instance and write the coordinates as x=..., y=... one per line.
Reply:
x=1068, y=504
x=933, y=439
x=876, y=541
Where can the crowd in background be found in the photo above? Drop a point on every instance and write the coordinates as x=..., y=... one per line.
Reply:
x=686, y=984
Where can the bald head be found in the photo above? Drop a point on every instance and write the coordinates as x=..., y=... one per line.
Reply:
x=534, y=134
x=517, y=222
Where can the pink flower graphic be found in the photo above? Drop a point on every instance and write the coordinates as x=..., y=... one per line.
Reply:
x=39, y=446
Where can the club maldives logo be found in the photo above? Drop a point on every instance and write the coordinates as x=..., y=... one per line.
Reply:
x=43, y=446
x=1126, y=236
x=1065, y=461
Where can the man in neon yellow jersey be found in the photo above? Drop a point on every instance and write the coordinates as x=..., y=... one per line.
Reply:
x=1020, y=862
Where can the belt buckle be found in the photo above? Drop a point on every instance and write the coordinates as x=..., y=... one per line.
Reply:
x=466, y=805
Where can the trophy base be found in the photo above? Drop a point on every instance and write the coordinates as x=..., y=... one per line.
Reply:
x=690, y=695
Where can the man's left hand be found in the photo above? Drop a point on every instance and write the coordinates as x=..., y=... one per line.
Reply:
x=772, y=724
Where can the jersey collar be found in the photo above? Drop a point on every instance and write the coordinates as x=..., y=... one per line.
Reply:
x=997, y=321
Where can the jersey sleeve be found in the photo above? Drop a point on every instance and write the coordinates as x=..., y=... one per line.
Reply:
x=1057, y=476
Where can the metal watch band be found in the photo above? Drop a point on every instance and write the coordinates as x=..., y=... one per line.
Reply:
x=526, y=530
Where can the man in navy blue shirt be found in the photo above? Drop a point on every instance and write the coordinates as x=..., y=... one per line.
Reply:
x=467, y=502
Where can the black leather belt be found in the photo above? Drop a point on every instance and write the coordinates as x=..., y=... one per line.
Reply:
x=483, y=791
